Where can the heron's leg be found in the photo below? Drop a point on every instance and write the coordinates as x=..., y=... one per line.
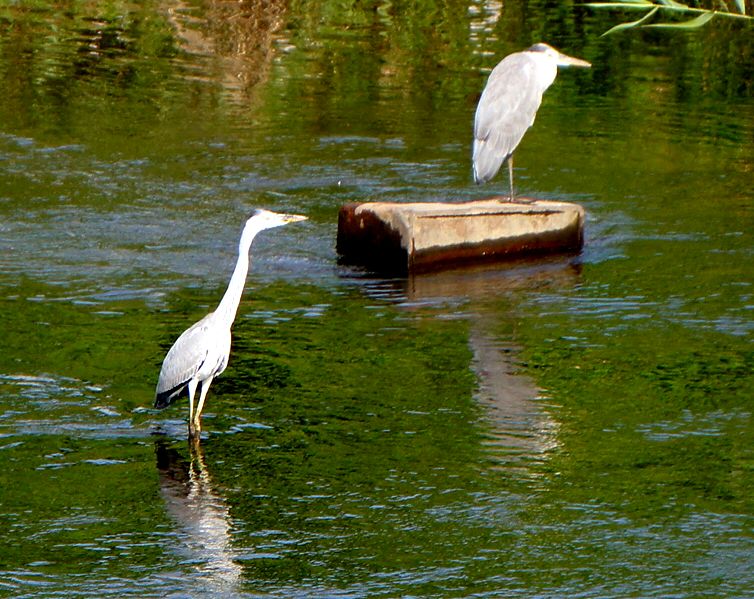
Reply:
x=191, y=391
x=510, y=176
x=200, y=406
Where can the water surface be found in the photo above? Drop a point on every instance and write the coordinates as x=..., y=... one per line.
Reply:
x=578, y=426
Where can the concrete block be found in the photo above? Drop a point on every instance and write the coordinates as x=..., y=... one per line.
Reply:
x=420, y=237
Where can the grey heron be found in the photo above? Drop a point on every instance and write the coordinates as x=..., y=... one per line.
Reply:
x=509, y=103
x=201, y=352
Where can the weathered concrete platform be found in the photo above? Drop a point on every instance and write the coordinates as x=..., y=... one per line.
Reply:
x=420, y=237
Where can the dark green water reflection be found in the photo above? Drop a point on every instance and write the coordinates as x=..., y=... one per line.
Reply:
x=575, y=427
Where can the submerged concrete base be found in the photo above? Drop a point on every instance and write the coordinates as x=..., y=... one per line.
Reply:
x=420, y=237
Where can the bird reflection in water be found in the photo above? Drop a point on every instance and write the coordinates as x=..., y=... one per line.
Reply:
x=202, y=516
x=523, y=428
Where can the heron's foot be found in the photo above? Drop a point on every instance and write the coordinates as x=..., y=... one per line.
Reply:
x=509, y=199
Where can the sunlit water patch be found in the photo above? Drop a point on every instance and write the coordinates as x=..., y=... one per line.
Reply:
x=713, y=424
x=49, y=405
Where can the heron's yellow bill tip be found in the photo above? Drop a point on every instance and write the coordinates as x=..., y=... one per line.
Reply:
x=572, y=61
x=294, y=218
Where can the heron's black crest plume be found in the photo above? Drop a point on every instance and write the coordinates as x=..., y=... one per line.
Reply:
x=538, y=47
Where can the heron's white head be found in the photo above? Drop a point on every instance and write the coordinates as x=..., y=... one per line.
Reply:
x=560, y=59
x=266, y=219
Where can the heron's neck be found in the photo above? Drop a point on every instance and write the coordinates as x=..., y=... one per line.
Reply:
x=228, y=306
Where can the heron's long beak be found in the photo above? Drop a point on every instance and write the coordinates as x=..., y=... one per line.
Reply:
x=569, y=61
x=293, y=218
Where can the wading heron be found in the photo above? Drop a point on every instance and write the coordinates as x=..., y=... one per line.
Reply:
x=509, y=104
x=201, y=352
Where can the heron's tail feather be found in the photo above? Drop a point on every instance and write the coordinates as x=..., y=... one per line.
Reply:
x=163, y=399
x=486, y=161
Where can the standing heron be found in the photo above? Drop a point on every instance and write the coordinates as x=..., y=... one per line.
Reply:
x=201, y=352
x=509, y=104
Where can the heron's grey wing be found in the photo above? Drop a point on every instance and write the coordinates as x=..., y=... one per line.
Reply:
x=183, y=360
x=505, y=111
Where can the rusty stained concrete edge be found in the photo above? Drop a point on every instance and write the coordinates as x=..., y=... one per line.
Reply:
x=490, y=228
x=388, y=227
x=563, y=241
x=365, y=239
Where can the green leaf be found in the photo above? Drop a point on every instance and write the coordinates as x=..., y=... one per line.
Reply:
x=692, y=24
x=624, y=26
x=741, y=6
x=627, y=4
x=641, y=5
x=673, y=4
